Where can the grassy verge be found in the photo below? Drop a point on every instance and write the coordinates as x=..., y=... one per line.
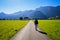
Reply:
x=51, y=27
x=9, y=27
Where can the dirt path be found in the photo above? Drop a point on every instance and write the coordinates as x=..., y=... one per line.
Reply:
x=29, y=33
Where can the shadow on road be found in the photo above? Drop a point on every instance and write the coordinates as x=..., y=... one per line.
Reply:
x=36, y=26
x=42, y=32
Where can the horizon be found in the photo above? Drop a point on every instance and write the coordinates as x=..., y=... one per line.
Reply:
x=12, y=6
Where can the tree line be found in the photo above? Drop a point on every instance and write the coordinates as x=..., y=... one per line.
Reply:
x=27, y=18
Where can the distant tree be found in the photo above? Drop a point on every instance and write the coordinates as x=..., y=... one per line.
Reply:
x=21, y=18
x=4, y=19
x=0, y=19
x=51, y=18
x=26, y=18
x=57, y=17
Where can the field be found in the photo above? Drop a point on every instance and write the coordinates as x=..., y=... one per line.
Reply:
x=51, y=27
x=9, y=27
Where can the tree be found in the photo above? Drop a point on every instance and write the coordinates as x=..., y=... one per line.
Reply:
x=0, y=19
x=21, y=18
x=26, y=18
x=3, y=19
x=51, y=18
x=57, y=17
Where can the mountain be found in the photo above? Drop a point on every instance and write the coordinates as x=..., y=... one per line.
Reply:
x=8, y=16
x=2, y=15
x=50, y=11
x=41, y=13
x=15, y=15
x=32, y=14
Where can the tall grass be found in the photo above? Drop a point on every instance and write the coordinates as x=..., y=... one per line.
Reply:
x=51, y=27
x=9, y=27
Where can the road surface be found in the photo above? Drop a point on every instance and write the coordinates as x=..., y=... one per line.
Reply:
x=29, y=33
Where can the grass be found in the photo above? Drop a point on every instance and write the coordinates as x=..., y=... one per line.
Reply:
x=51, y=27
x=9, y=27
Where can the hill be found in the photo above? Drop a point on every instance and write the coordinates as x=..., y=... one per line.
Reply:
x=41, y=13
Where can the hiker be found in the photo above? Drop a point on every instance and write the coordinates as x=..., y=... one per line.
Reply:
x=36, y=24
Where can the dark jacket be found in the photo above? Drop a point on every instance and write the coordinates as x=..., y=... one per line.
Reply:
x=36, y=21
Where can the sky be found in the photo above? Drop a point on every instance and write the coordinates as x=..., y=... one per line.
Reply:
x=11, y=6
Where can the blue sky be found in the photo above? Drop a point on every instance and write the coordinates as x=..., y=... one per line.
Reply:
x=11, y=6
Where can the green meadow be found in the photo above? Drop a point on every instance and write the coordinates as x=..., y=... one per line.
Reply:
x=9, y=27
x=51, y=27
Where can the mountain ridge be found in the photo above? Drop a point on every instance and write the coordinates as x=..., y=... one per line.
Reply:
x=41, y=12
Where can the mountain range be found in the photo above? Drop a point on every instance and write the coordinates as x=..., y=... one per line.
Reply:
x=41, y=13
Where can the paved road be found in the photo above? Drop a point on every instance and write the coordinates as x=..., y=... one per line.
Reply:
x=29, y=33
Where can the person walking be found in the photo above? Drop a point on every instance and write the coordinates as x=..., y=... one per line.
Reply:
x=36, y=24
